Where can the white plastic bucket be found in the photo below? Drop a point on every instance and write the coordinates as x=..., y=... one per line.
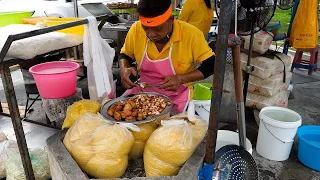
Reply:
x=202, y=107
x=228, y=138
x=277, y=129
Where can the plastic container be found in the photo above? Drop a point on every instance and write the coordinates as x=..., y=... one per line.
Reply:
x=202, y=91
x=309, y=146
x=14, y=17
x=77, y=30
x=277, y=129
x=229, y=138
x=201, y=107
x=273, y=26
x=55, y=79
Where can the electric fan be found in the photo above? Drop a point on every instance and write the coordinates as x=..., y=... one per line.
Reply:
x=285, y=4
x=252, y=16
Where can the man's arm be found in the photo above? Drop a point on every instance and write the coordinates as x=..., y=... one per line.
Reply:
x=126, y=59
x=205, y=70
x=203, y=54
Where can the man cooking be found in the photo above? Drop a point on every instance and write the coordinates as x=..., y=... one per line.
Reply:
x=165, y=51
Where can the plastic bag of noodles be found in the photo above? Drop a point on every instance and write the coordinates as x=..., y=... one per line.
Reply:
x=99, y=147
x=40, y=165
x=77, y=109
x=141, y=137
x=171, y=145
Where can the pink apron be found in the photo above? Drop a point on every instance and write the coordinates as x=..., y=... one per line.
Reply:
x=154, y=72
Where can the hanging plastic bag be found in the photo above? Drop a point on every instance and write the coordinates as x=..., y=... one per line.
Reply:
x=98, y=58
x=77, y=109
x=141, y=137
x=99, y=147
x=39, y=161
x=171, y=145
x=305, y=29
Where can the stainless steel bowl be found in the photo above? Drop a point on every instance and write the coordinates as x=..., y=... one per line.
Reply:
x=164, y=114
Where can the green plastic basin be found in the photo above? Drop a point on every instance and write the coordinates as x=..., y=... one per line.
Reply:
x=202, y=91
x=14, y=17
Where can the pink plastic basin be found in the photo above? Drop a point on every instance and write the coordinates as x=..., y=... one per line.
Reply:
x=55, y=79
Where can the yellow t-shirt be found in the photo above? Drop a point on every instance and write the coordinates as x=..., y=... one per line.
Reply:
x=188, y=47
x=195, y=12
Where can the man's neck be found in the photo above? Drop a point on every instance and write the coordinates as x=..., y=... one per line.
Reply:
x=160, y=46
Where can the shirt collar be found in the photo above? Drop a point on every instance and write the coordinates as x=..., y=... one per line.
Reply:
x=177, y=31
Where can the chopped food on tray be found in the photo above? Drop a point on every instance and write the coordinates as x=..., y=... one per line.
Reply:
x=138, y=108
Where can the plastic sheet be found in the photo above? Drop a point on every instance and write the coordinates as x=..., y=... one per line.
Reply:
x=171, y=145
x=39, y=161
x=258, y=102
x=77, y=109
x=270, y=86
x=99, y=147
x=265, y=67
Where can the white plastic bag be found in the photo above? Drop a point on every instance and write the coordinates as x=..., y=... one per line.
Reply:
x=261, y=42
x=265, y=67
x=270, y=86
x=3, y=141
x=39, y=161
x=258, y=102
x=98, y=58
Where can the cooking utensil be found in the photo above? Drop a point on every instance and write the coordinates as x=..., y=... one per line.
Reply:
x=232, y=161
x=164, y=113
x=145, y=85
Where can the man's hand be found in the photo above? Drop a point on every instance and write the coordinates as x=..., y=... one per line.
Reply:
x=172, y=83
x=125, y=80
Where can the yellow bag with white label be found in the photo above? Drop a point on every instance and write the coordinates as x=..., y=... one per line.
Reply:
x=305, y=29
x=77, y=109
x=171, y=145
x=99, y=147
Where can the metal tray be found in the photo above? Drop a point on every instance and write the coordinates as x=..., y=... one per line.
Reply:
x=106, y=106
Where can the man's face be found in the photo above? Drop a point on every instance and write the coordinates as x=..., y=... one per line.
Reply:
x=158, y=32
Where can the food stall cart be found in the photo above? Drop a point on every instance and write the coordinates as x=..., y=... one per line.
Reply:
x=5, y=63
x=13, y=106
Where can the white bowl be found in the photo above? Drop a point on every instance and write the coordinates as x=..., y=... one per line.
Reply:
x=229, y=137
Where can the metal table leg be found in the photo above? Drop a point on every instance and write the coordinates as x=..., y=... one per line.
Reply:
x=16, y=121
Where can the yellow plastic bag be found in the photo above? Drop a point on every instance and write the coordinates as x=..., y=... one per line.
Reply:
x=77, y=109
x=137, y=149
x=171, y=145
x=156, y=168
x=99, y=147
x=304, y=33
x=141, y=137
